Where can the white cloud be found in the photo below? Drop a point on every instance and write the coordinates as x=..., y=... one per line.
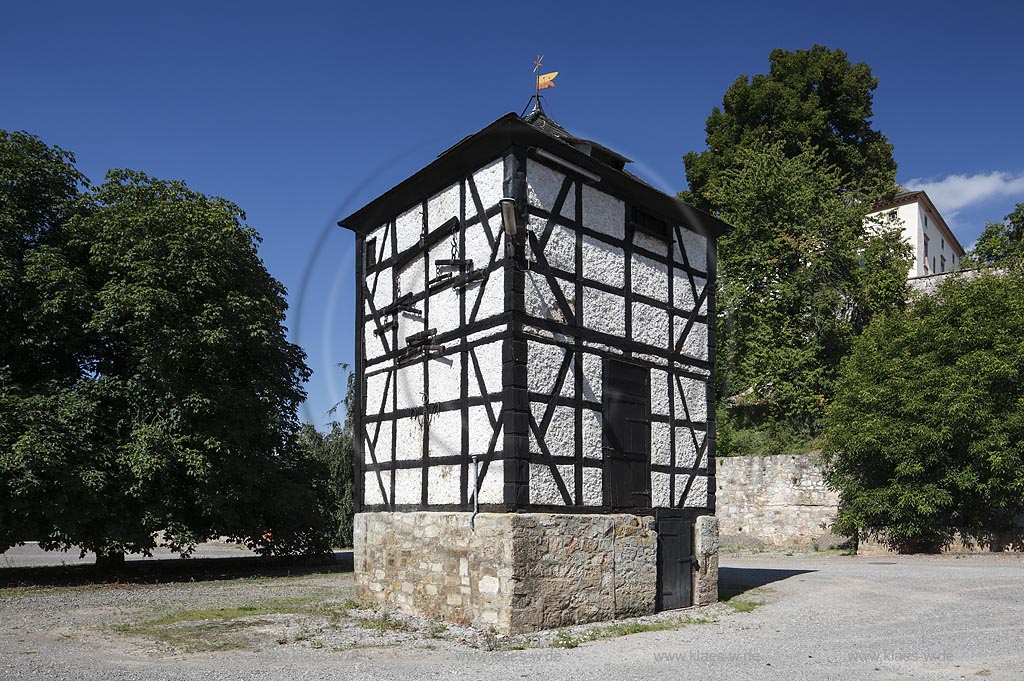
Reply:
x=955, y=192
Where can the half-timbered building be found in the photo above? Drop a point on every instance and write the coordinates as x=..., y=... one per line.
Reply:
x=535, y=427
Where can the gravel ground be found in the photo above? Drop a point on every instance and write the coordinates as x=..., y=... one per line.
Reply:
x=823, y=617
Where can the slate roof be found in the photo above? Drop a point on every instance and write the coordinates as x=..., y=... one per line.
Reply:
x=536, y=130
x=539, y=119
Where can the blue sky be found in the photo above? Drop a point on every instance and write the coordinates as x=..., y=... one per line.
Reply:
x=301, y=112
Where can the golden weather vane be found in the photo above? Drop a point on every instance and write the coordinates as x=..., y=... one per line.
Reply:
x=544, y=80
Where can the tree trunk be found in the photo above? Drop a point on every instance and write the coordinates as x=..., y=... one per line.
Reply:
x=110, y=560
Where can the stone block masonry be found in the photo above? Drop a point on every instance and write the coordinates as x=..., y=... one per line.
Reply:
x=783, y=502
x=779, y=501
x=705, y=540
x=513, y=572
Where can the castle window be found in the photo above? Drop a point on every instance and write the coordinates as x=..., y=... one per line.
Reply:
x=942, y=260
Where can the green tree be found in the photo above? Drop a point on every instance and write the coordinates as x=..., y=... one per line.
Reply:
x=43, y=302
x=1001, y=244
x=43, y=297
x=925, y=437
x=813, y=98
x=799, y=276
x=149, y=386
x=335, y=451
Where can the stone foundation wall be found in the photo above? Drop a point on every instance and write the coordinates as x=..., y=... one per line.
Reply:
x=705, y=579
x=514, y=572
x=775, y=501
x=401, y=563
x=582, y=568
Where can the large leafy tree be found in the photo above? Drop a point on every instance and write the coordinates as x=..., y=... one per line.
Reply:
x=1001, y=244
x=813, y=97
x=43, y=296
x=794, y=164
x=799, y=276
x=44, y=303
x=925, y=437
x=150, y=387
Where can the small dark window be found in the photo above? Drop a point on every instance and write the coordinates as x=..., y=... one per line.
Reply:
x=649, y=224
x=371, y=252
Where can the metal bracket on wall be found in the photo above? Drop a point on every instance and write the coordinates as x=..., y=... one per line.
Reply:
x=455, y=263
x=415, y=339
x=439, y=281
x=466, y=279
x=386, y=326
x=403, y=304
x=416, y=352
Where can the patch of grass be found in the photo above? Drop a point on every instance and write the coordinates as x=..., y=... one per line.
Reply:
x=564, y=639
x=740, y=605
x=835, y=551
x=731, y=597
x=436, y=628
x=208, y=630
x=384, y=623
x=627, y=628
x=202, y=637
x=282, y=606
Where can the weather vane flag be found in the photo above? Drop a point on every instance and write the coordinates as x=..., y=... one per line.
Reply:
x=544, y=80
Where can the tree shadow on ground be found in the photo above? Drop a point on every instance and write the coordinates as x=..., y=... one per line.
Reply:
x=170, y=570
x=733, y=581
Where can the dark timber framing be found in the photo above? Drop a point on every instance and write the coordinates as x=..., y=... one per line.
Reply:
x=511, y=139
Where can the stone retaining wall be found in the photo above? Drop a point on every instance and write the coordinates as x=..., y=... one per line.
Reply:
x=782, y=502
x=775, y=501
x=513, y=572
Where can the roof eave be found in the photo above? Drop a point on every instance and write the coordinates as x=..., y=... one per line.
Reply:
x=921, y=196
x=496, y=139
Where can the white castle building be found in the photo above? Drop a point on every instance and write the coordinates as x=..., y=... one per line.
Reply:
x=936, y=249
x=535, y=425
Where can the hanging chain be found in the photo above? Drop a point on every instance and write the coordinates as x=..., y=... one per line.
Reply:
x=455, y=247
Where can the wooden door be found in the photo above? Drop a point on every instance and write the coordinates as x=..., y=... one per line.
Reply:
x=627, y=436
x=675, y=563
